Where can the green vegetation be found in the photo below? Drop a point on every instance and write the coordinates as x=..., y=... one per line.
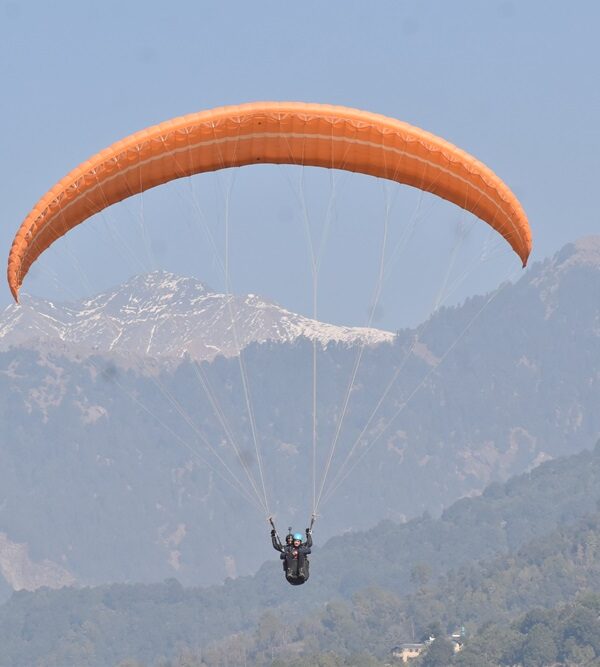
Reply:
x=472, y=567
x=566, y=635
x=555, y=572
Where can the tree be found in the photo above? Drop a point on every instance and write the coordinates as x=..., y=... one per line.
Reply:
x=420, y=575
x=439, y=654
x=539, y=648
x=583, y=626
x=434, y=629
x=493, y=645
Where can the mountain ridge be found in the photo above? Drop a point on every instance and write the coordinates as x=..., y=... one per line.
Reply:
x=163, y=315
x=522, y=387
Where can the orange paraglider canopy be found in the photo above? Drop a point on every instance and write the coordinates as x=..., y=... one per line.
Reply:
x=268, y=132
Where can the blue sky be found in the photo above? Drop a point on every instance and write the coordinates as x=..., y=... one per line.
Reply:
x=514, y=83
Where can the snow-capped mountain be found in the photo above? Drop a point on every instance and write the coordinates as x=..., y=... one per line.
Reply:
x=162, y=315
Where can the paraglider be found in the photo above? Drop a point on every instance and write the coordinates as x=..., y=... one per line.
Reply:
x=318, y=135
x=294, y=553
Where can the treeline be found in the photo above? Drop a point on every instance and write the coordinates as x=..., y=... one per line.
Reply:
x=568, y=635
x=536, y=609
x=565, y=636
x=474, y=565
x=329, y=659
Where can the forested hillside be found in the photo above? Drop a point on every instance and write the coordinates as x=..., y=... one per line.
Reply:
x=531, y=542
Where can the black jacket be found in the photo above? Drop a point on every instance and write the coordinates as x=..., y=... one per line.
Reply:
x=276, y=543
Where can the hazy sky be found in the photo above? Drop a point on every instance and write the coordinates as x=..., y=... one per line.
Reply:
x=514, y=83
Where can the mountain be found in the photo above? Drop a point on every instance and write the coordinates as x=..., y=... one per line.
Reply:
x=166, y=316
x=114, y=473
